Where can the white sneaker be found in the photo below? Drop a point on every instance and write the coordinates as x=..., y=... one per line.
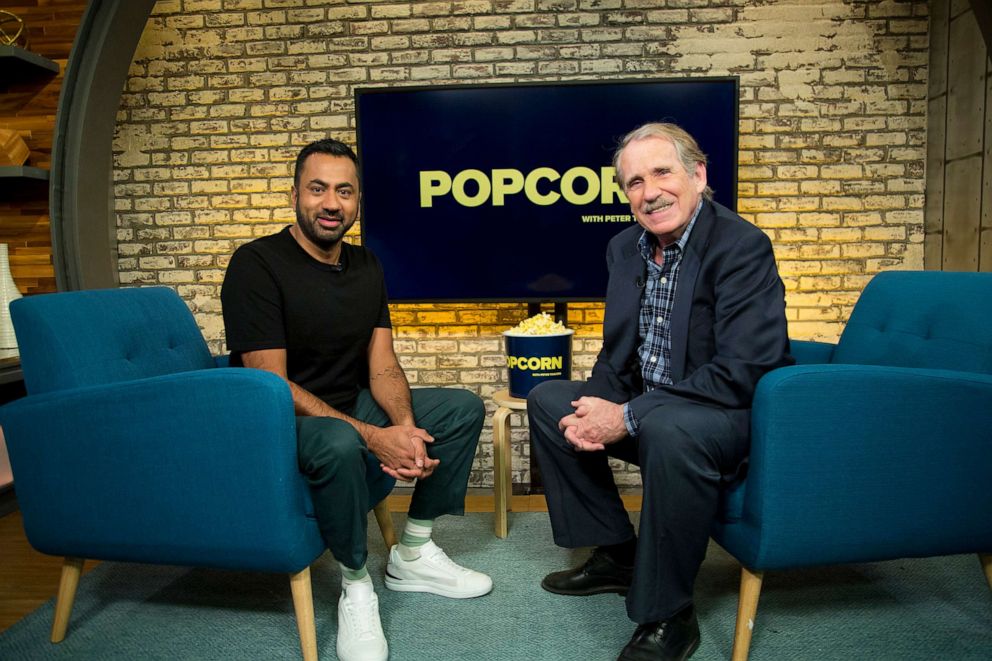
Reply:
x=436, y=573
x=360, y=636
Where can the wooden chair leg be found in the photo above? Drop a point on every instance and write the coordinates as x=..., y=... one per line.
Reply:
x=385, y=521
x=299, y=583
x=747, y=607
x=501, y=465
x=986, y=560
x=72, y=568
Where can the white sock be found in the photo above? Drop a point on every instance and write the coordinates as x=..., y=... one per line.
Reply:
x=357, y=587
x=416, y=533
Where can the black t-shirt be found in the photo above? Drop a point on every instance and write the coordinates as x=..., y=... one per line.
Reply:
x=276, y=296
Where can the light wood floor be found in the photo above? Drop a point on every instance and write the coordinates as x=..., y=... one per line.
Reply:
x=28, y=579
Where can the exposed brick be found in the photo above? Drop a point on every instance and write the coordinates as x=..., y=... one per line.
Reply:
x=832, y=137
x=491, y=22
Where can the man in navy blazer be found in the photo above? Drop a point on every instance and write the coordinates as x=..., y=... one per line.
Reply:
x=695, y=315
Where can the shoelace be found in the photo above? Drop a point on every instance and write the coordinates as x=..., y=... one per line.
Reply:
x=441, y=558
x=656, y=629
x=364, y=617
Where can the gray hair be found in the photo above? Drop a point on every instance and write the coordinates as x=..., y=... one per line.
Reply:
x=686, y=148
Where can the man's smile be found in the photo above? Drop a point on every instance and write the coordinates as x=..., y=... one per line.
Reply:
x=659, y=205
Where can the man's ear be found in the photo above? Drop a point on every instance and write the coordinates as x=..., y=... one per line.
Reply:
x=700, y=177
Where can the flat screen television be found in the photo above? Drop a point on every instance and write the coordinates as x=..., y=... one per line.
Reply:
x=505, y=192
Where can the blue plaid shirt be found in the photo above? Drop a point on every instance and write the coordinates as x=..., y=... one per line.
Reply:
x=654, y=325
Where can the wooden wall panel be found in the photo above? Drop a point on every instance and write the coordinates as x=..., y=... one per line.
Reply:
x=965, y=131
x=985, y=239
x=937, y=71
x=933, y=226
x=30, y=108
x=965, y=88
x=958, y=209
x=962, y=211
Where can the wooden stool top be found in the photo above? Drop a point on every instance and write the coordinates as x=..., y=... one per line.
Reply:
x=503, y=398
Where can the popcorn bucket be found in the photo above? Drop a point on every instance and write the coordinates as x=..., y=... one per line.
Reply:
x=533, y=359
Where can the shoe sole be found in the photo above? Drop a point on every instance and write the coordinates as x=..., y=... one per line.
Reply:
x=606, y=589
x=692, y=650
x=364, y=658
x=684, y=656
x=399, y=585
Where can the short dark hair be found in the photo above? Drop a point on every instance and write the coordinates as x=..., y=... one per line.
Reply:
x=328, y=146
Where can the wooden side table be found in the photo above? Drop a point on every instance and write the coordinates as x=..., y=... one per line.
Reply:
x=502, y=480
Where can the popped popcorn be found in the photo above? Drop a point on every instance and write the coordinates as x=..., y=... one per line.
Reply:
x=539, y=324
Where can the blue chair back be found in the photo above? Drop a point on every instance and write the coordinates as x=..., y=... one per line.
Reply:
x=928, y=319
x=86, y=338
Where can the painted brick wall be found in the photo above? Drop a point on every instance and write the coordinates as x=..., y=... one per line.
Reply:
x=223, y=93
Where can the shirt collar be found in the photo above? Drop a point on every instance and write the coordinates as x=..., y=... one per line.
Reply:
x=647, y=241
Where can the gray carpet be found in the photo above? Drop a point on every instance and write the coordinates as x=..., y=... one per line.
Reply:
x=939, y=608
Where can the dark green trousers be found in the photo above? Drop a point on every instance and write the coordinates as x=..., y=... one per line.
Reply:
x=342, y=472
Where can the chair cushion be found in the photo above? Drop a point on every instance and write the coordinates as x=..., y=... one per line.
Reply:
x=926, y=319
x=82, y=338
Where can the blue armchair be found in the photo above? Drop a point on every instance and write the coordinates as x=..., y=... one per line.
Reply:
x=875, y=448
x=133, y=445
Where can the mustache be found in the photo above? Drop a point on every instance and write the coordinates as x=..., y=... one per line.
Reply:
x=657, y=204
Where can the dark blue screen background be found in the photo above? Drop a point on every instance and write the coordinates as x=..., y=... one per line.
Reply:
x=519, y=251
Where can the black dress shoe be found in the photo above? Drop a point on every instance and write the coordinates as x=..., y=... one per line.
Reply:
x=599, y=574
x=674, y=639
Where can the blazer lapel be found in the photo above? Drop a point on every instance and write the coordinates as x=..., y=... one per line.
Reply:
x=623, y=304
x=632, y=272
x=688, y=273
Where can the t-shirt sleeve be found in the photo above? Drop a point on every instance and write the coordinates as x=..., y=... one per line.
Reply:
x=384, y=320
x=252, y=304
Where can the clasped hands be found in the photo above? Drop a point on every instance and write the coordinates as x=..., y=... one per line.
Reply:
x=595, y=424
x=402, y=451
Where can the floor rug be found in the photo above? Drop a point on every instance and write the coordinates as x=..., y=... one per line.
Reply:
x=936, y=608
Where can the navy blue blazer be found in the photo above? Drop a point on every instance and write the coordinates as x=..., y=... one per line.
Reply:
x=728, y=322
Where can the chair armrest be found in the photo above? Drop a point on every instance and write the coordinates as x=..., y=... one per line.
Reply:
x=191, y=468
x=811, y=353
x=858, y=463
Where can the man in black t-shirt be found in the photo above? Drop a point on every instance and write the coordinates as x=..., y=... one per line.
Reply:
x=312, y=309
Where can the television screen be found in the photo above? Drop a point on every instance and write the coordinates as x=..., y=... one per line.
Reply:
x=506, y=192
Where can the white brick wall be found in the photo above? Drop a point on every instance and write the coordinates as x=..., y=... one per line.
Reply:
x=223, y=93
